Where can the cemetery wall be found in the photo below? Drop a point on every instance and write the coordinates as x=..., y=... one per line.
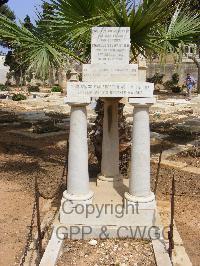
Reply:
x=170, y=69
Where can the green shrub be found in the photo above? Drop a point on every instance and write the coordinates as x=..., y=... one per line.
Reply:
x=34, y=88
x=168, y=84
x=175, y=78
x=156, y=79
x=56, y=89
x=3, y=87
x=18, y=97
x=173, y=84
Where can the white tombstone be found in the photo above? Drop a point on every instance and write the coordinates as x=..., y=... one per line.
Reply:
x=110, y=45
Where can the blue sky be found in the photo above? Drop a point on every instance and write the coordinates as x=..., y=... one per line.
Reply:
x=22, y=8
x=25, y=7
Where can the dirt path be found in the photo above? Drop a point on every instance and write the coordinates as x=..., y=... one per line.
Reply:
x=21, y=160
x=187, y=215
x=15, y=205
x=188, y=224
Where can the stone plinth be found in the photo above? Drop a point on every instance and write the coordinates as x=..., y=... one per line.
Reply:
x=108, y=211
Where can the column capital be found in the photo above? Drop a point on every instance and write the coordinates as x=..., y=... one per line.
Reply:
x=142, y=67
x=76, y=101
x=142, y=102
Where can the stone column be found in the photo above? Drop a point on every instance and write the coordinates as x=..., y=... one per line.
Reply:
x=78, y=189
x=139, y=182
x=78, y=176
x=110, y=145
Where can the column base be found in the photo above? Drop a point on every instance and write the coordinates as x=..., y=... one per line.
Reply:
x=70, y=201
x=102, y=177
x=78, y=198
x=148, y=202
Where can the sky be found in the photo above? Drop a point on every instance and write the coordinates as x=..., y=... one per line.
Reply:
x=22, y=8
x=25, y=7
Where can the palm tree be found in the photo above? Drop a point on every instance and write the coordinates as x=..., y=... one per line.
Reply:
x=69, y=29
x=7, y=12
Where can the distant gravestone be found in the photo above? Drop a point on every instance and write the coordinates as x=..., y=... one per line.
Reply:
x=3, y=70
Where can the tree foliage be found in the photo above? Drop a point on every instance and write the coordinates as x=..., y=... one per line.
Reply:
x=64, y=28
x=28, y=24
x=13, y=58
x=2, y=2
x=6, y=11
x=193, y=5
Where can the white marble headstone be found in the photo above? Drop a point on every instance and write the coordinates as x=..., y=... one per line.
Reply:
x=110, y=45
x=110, y=74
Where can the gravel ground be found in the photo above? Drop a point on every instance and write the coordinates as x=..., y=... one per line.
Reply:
x=107, y=252
x=19, y=165
x=187, y=215
x=191, y=157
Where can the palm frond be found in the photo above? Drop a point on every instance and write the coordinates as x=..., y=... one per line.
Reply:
x=74, y=19
x=185, y=28
x=35, y=48
x=68, y=31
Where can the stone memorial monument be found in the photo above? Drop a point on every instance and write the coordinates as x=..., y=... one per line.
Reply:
x=111, y=77
x=112, y=206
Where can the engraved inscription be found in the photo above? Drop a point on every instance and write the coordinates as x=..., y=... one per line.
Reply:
x=110, y=89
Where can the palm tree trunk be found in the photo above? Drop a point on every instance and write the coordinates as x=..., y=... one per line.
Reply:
x=51, y=80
